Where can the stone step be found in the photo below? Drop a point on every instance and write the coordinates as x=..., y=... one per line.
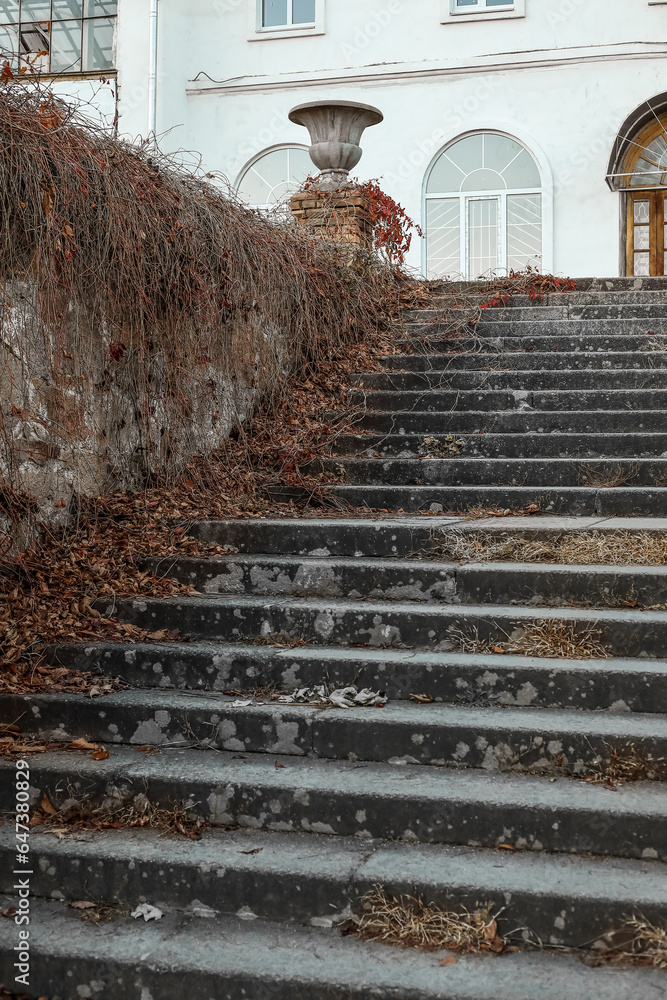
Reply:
x=571, y=501
x=523, y=361
x=354, y=799
x=610, y=288
x=437, y=353
x=506, y=445
x=508, y=422
x=553, y=310
x=530, y=380
x=416, y=579
x=312, y=576
x=394, y=535
x=324, y=536
x=380, y=624
x=432, y=323
x=318, y=881
x=230, y=958
x=516, y=739
x=517, y=398
x=441, y=340
x=585, y=305
x=470, y=678
x=656, y=311
x=426, y=805
x=511, y=471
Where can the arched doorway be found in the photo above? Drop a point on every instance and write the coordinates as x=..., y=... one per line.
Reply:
x=273, y=175
x=638, y=169
x=483, y=208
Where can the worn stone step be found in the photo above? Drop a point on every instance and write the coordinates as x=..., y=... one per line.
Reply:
x=417, y=579
x=366, y=800
x=311, y=576
x=441, y=350
x=431, y=323
x=307, y=880
x=324, y=536
x=520, y=362
x=593, y=305
x=530, y=444
x=543, y=584
x=463, y=401
x=402, y=535
x=440, y=339
x=572, y=501
x=470, y=678
x=509, y=422
x=518, y=398
x=380, y=624
x=653, y=311
x=532, y=380
x=228, y=958
x=464, y=471
x=518, y=739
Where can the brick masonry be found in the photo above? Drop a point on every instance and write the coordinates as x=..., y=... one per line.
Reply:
x=339, y=215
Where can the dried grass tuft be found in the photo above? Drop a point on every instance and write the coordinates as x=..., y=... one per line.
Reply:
x=600, y=478
x=412, y=923
x=467, y=640
x=552, y=639
x=638, y=941
x=630, y=763
x=586, y=548
x=561, y=639
x=655, y=344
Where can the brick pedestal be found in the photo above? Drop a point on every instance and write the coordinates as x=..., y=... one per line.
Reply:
x=337, y=215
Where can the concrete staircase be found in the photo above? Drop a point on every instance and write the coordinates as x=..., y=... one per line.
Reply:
x=471, y=794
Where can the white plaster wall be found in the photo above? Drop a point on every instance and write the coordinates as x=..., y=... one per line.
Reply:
x=562, y=79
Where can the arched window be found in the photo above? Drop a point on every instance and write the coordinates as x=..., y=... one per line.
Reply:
x=483, y=209
x=274, y=175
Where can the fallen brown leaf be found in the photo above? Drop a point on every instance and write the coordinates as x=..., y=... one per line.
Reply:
x=450, y=960
x=81, y=744
x=100, y=754
x=46, y=806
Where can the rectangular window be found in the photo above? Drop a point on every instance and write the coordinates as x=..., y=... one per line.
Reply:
x=443, y=228
x=470, y=6
x=287, y=13
x=524, y=231
x=58, y=36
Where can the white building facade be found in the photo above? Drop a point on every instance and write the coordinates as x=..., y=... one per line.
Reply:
x=525, y=132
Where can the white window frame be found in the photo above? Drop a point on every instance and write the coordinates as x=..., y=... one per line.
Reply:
x=257, y=32
x=42, y=64
x=450, y=13
x=464, y=199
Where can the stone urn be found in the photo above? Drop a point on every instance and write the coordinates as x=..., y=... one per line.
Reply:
x=335, y=129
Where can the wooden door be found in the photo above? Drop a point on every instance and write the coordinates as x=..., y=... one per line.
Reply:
x=646, y=232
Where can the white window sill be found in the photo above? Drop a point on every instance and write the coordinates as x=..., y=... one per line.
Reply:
x=261, y=34
x=256, y=33
x=448, y=16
